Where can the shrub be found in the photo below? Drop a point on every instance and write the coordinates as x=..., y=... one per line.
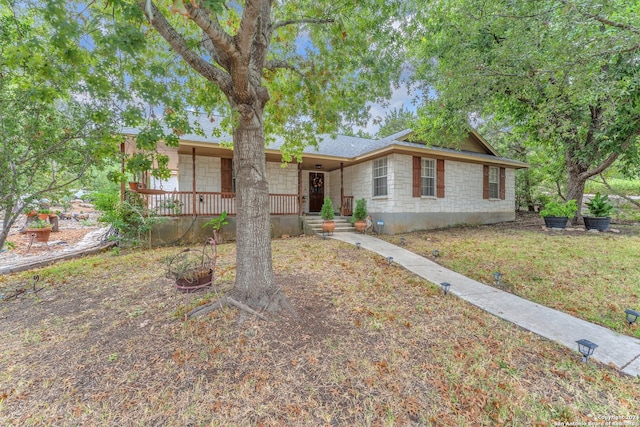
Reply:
x=567, y=209
x=600, y=206
x=360, y=212
x=130, y=217
x=327, y=209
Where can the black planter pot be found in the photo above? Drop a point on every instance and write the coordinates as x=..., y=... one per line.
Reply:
x=597, y=223
x=555, y=221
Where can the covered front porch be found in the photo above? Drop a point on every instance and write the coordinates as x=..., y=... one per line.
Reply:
x=183, y=203
x=297, y=189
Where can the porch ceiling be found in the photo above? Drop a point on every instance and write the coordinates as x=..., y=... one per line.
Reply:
x=309, y=162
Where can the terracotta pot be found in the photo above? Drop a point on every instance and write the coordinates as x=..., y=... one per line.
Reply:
x=42, y=234
x=360, y=225
x=328, y=226
x=43, y=216
x=133, y=185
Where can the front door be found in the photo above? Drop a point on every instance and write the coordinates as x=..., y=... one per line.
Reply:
x=316, y=191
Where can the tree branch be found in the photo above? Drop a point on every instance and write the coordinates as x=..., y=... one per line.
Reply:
x=177, y=42
x=273, y=65
x=611, y=23
x=612, y=158
x=222, y=41
x=316, y=21
x=606, y=184
x=247, y=30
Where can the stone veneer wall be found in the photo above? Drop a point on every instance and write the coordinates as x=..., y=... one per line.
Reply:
x=207, y=173
x=401, y=212
x=281, y=180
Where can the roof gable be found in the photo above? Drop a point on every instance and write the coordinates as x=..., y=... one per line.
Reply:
x=474, y=143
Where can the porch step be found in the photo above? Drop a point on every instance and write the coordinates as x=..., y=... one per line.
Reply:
x=313, y=225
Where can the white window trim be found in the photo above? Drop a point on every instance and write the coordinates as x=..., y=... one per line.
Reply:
x=497, y=182
x=435, y=178
x=386, y=176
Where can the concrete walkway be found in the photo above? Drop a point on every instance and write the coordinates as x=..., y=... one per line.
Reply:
x=619, y=350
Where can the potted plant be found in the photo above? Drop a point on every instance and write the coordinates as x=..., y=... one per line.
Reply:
x=360, y=215
x=600, y=209
x=193, y=269
x=216, y=224
x=44, y=213
x=328, y=225
x=556, y=214
x=41, y=229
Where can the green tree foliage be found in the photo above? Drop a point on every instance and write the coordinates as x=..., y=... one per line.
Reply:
x=51, y=132
x=396, y=120
x=561, y=75
x=291, y=68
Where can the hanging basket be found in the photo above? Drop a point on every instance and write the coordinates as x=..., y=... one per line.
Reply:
x=193, y=269
x=187, y=285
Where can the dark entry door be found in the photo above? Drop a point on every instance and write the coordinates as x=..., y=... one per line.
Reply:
x=316, y=191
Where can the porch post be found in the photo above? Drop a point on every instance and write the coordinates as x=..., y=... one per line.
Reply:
x=193, y=179
x=341, y=188
x=299, y=189
x=122, y=170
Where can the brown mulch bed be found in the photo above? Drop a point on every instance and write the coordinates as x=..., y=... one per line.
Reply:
x=59, y=240
x=70, y=233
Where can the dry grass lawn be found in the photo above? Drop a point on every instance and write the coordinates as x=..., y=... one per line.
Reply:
x=105, y=343
x=594, y=276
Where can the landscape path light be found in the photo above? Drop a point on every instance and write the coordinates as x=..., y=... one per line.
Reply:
x=632, y=315
x=390, y=260
x=445, y=287
x=358, y=245
x=586, y=347
x=497, y=276
x=436, y=253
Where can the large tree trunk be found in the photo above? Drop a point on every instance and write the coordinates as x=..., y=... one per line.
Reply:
x=255, y=285
x=575, y=189
x=10, y=217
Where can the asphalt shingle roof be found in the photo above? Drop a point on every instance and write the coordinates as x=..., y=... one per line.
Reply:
x=341, y=146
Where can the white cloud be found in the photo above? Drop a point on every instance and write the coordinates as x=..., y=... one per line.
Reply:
x=401, y=97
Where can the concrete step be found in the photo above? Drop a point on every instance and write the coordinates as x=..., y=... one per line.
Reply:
x=313, y=225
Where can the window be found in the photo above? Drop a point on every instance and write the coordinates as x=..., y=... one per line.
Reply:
x=494, y=182
x=428, y=178
x=380, y=177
